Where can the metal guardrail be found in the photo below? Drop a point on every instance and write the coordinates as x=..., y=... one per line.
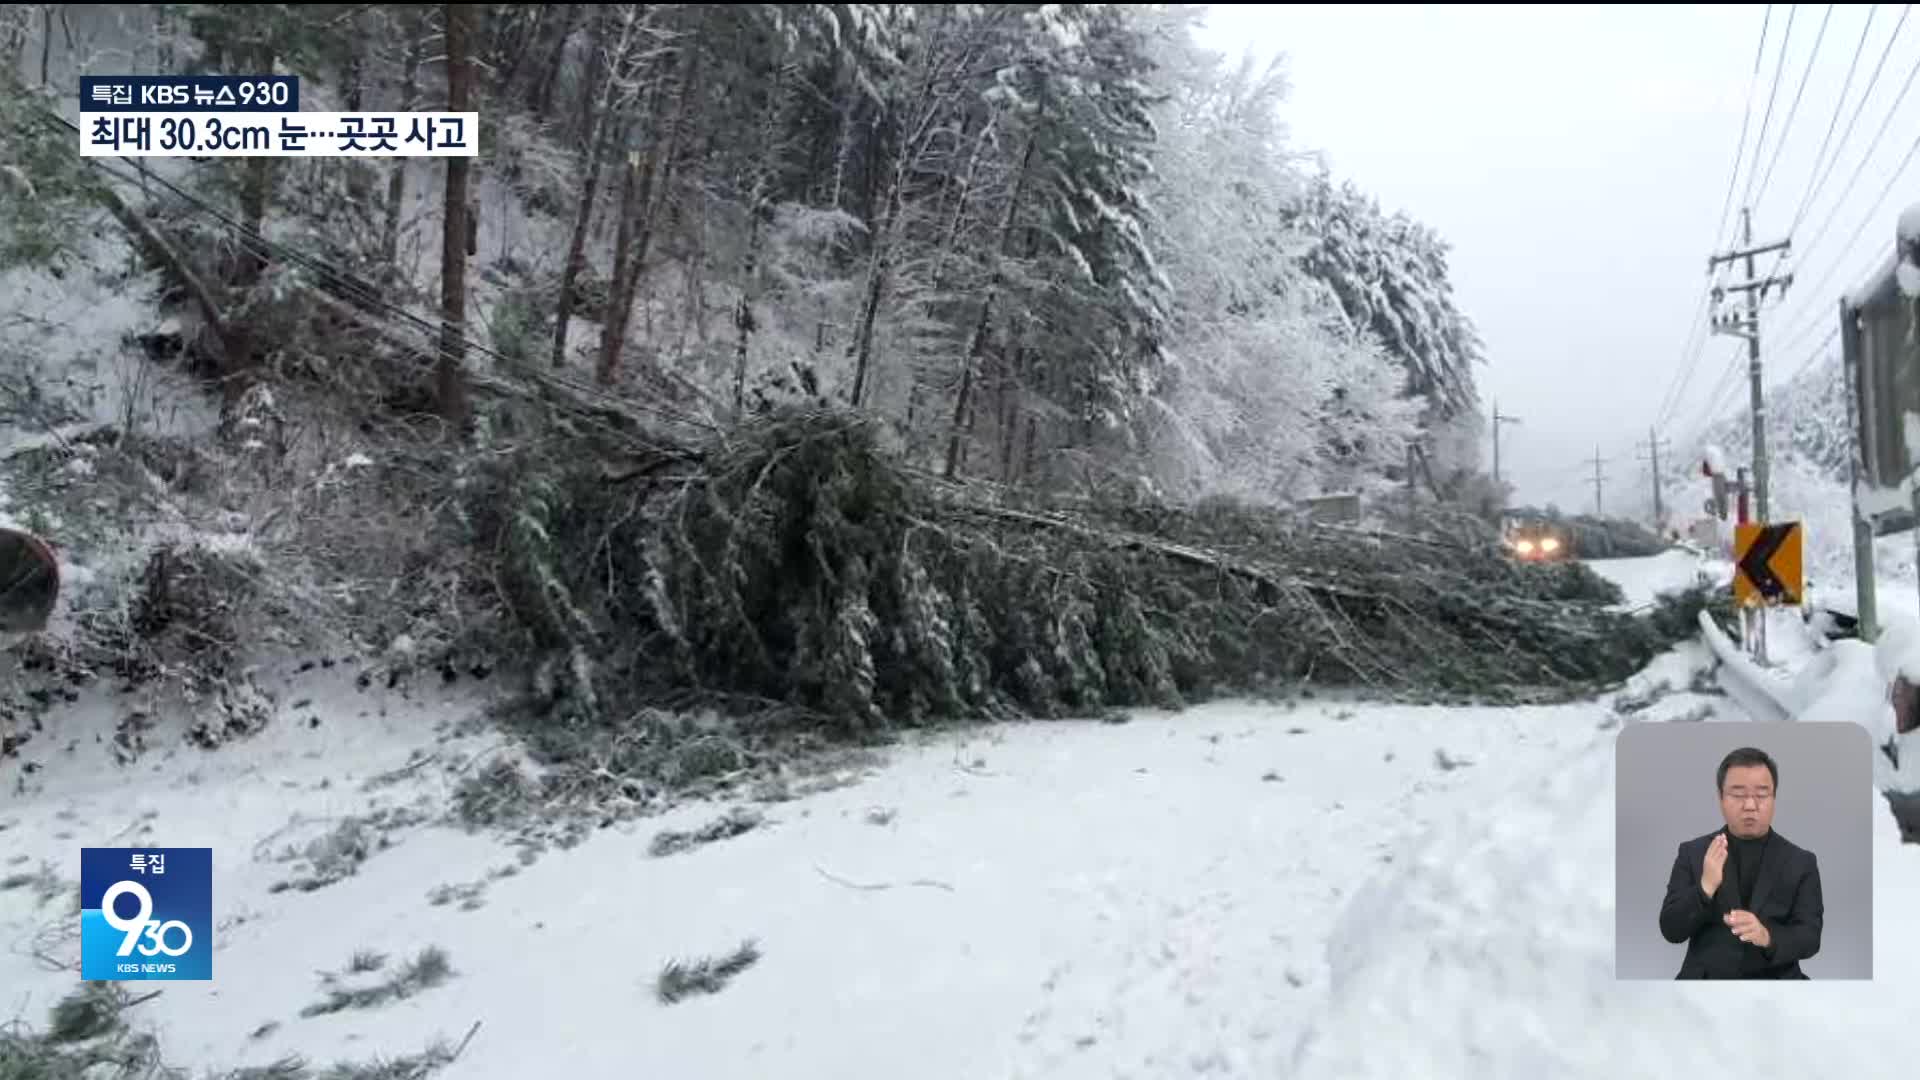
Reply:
x=1762, y=696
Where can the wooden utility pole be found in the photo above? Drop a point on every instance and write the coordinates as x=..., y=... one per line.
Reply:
x=1499, y=419
x=1654, y=445
x=1746, y=325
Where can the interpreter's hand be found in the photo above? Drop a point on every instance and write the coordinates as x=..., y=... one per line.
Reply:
x=1716, y=865
x=1748, y=928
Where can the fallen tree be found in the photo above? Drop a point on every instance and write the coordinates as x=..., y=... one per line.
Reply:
x=796, y=570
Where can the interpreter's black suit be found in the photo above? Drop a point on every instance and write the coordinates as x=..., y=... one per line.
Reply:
x=1786, y=897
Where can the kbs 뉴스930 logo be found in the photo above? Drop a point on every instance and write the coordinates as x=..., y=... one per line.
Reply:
x=146, y=913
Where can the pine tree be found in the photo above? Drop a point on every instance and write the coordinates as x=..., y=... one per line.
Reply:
x=1390, y=277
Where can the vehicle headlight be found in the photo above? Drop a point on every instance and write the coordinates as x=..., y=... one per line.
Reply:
x=1525, y=547
x=1550, y=544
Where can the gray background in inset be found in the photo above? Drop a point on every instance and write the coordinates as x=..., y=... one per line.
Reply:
x=1664, y=795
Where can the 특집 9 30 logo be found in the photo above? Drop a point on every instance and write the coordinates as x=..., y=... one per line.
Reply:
x=146, y=913
x=143, y=924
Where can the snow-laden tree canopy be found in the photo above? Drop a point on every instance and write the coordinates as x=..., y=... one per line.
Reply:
x=1389, y=274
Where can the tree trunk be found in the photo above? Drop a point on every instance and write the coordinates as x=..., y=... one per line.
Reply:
x=743, y=318
x=159, y=251
x=450, y=381
x=550, y=71
x=653, y=195
x=359, y=173
x=513, y=54
x=256, y=186
x=958, y=217
x=1010, y=447
x=46, y=41
x=352, y=74
x=255, y=180
x=861, y=347
x=163, y=40
x=912, y=141
x=397, y=178
x=963, y=400
x=582, y=225
x=917, y=392
x=596, y=69
x=879, y=265
x=635, y=184
x=1032, y=438
x=843, y=144
x=604, y=124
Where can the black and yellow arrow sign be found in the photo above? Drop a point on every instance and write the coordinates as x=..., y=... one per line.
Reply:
x=1767, y=564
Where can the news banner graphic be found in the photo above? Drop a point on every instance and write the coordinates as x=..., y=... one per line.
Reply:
x=146, y=914
x=204, y=116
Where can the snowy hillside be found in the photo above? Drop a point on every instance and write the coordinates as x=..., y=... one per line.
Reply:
x=1808, y=441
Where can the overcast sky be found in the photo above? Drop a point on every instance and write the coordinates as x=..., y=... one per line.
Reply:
x=1578, y=160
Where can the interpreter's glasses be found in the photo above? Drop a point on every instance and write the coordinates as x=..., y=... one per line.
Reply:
x=1743, y=797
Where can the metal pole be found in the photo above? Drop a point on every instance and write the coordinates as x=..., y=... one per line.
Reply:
x=1498, y=419
x=1756, y=388
x=1907, y=250
x=1653, y=444
x=1863, y=569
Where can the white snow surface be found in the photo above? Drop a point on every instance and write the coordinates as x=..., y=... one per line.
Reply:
x=1908, y=275
x=1643, y=580
x=1327, y=890
x=1909, y=227
x=1480, y=955
x=1124, y=900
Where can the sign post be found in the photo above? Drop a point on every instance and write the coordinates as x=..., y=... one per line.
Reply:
x=1767, y=572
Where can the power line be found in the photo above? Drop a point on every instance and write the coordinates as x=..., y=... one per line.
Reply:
x=1740, y=149
x=1703, y=418
x=1818, y=351
x=1696, y=341
x=1872, y=144
x=1779, y=66
x=1794, y=109
x=1690, y=361
x=1861, y=106
x=1892, y=182
x=1839, y=106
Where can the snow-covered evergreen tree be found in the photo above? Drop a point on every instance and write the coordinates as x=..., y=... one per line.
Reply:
x=1056, y=245
x=1271, y=392
x=1389, y=274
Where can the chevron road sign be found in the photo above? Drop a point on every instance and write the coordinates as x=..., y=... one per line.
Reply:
x=1767, y=564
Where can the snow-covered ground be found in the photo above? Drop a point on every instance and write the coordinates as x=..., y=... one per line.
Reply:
x=1644, y=579
x=1329, y=889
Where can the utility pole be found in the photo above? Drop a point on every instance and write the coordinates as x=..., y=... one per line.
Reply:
x=1499, y=419
x=1865, y=594
x=1598, y=479
x=1747, y=325
x=1654, y=443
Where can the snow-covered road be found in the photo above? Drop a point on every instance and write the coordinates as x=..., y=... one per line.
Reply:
x=1323, y=889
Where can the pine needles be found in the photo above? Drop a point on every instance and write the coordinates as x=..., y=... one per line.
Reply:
x=429, y=969
x=682, y=979
x=800, y=569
